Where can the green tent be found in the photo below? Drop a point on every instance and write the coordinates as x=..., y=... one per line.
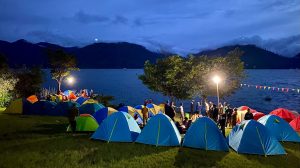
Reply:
x=85, y=123
x=15, y=107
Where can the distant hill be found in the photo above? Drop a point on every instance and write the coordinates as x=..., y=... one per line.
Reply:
x=98, y=55
x=128, y=55
x=255, y=57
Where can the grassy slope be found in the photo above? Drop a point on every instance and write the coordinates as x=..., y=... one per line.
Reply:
x=31, y=141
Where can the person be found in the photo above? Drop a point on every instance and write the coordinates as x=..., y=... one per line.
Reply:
x=220, y=108
x=206, y=107
x=180, y=127
x=210, y=111
x=181, y=110
x=172, y=111
x=192, y=108
x=199, y=108
x=222, y=122
x=91, y=93
x=186, y=123
x=228, y=113
x=215, y=113
x=248, y=115
x=73, y=113
x=145, y=114
x=233, y=117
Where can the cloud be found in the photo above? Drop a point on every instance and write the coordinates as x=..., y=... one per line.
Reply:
x=287, y=46
x=120, y=19
x=86, y=18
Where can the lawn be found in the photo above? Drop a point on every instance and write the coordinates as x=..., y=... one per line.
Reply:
x=34, y=141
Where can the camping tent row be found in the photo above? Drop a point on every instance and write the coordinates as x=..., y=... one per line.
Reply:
x=249, y=136
x=35, y=107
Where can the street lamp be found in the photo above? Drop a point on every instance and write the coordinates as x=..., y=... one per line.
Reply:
x=70, y=80
x=217, y=79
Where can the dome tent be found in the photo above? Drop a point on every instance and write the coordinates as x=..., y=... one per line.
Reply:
x=118, y=127
x=279, y=128
x=85, y=123
x=101, y=114
x=128, y=109
x=32, y=99
x=42, y=108
x=252, y=137
x=284, y=114
x=295, y=124
x=205, y=134
x=160, y=131
x=81, y=100
x=90, y=108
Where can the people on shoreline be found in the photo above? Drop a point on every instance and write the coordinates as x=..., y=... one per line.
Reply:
x=72, y=114
x=233, y=117
x=248, y=115
x=181, y=111
x=145, y=113
x=192, y=108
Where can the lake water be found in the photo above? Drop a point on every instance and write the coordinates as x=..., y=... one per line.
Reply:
x=125, y=86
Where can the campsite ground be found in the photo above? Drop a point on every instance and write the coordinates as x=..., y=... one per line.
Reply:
x=34, y=141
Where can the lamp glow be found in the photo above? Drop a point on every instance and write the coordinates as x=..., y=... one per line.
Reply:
x=216, y=79
x=70, y=80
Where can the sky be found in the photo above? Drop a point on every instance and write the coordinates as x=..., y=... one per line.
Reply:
x=181, y=26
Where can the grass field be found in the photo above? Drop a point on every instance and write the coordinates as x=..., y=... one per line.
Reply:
x=33, y=141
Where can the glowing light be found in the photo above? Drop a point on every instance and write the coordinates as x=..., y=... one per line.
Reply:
x=70, y=80
x=216, y=79
x=96, y=39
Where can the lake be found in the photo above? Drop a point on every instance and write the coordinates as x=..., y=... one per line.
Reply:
x=125, y=86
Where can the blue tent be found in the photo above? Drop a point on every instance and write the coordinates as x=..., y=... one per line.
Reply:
x=252, y=137
x=101, y=114
x=81, y=100
x=62, y=108
x=43, y=108
x=90, y=108
x=118, y=127
x=160, y=131
x=204, y=134
x=279, y=128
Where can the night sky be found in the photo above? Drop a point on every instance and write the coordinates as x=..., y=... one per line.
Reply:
x=176, y=25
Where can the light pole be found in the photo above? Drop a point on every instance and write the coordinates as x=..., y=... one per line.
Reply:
x=217, y=79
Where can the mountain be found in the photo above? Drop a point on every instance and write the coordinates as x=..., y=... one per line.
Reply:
x=128, y=55
x=255, y=57
x=98, y=55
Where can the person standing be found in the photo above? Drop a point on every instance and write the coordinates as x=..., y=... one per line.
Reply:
x=222, y=122
x=73, y=113
x=233, y=117
x=206, y=108
x=145, y=114
x=215, y=113
x=248, y=115
x=228, y=113
x=192, y=109
x=172, y=111
x=181, y=110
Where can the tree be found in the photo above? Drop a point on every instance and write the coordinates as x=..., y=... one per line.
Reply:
x=61, y=65
x=30, y=81
x=7, y=82
x=184, y=78
x=167, y=76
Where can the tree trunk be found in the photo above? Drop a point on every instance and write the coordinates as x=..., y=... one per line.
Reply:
x=58, y=86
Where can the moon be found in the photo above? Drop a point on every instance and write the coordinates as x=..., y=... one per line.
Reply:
x=96, y=39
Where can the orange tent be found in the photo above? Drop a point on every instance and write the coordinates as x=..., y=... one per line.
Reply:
x=295, y=123
x=284, y=114
x=32, y=99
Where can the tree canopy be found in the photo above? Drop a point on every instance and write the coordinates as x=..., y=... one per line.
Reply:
x=184, y=78
x=61, y=65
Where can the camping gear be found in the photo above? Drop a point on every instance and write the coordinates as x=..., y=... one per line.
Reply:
x=284, y=114
x=15, y=107
x=252, y=137
x=295, y=123
x=160, y=131
x=279, y=128
x=90, y=108
x=85, y=123
x=101, y=114
x=205, y=134
x=118, y=127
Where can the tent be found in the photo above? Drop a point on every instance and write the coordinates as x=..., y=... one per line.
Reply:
x=279, y=128
x=90, y=108
x=252, y=137
x=85, y=123
x=204, y=134
x=160, y=131
x=80, y=100
x=118, y=127
x=128, y=109
x=284, y=114
x=90, y=101
x=101, y=114
x=62, y=108
x=42, y=108
x=15, y=107
x=257, y=115
x=243, y=110
x=32, y=99
x=154, y=109
x=295, y=124
x=139, y=107
x=138, y=117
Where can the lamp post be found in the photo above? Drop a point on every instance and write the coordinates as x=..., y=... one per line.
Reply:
x=217, y=79
x=70, y=80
